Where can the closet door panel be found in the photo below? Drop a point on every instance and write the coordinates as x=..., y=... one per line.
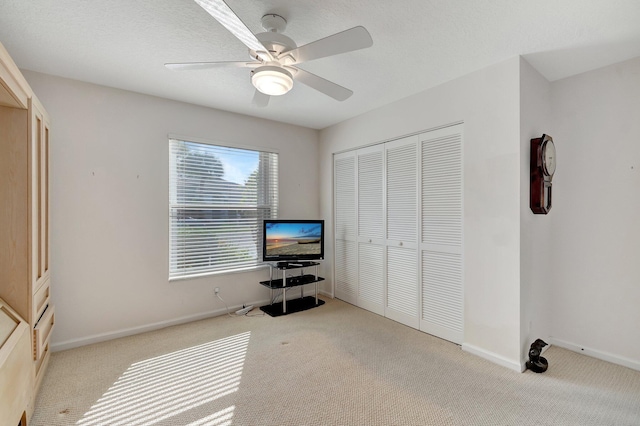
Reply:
x=345, y=250
x=345, y=195
x=402, y=286
x=442, y=309
x=441, y=234
x=346, y=271
x=402, y=183
x=402, y=231
x=371, y=276
x=442, y=189
x=371, y=249
x=371, y=194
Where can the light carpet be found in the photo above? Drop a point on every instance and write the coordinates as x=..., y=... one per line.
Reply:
x=332, y=365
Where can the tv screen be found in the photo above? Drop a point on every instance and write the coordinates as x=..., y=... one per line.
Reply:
x=292, y=240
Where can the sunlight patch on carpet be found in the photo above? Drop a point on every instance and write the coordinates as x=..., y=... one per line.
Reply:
x=159, y=388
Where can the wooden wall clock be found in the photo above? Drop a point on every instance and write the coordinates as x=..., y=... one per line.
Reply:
x=543, y=166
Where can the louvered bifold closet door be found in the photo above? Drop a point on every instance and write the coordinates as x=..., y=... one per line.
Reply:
x=371, y=242
x=441, y=245
x=402, y=298
x=345, y=254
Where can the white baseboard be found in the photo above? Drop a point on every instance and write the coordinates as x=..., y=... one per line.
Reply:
x=324, y=293
x=493, y=357
x=96, y=338
x=594, y=353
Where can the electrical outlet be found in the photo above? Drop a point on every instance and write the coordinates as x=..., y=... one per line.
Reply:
x=217, y=290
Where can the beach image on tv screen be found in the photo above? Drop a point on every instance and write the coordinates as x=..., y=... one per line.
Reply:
x=293, y=238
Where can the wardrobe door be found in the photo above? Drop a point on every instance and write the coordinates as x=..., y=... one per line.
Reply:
x=402, y=296
x=345, y=250
x=371, y=243
x=441, y=234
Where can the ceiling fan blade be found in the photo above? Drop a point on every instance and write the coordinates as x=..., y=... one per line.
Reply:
x=333, y=90
x=227, y=17
x=183, y=66
x=260, y=99
x=346, y=41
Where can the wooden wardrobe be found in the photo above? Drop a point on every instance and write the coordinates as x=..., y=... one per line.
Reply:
x=25, y=283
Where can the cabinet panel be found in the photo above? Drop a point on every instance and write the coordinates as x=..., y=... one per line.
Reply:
x=16, y=371
x=42, y=331
x=14, y=210
x=46, y=256
x=14, y=90
x=41, y=299
x=39, y=191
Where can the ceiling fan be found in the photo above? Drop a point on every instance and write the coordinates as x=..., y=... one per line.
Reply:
x=274, y=56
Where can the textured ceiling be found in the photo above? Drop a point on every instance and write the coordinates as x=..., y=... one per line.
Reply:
x=417, y=44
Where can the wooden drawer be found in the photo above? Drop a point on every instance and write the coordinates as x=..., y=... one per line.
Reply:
x=40, y=366
x=42, y=332
x=40, y=301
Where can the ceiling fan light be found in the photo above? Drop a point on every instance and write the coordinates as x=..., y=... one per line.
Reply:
x=272, y=80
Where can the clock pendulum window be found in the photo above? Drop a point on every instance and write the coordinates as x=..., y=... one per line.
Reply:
x=543, y=166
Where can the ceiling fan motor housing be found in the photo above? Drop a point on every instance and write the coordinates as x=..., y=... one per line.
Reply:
x=274, y=42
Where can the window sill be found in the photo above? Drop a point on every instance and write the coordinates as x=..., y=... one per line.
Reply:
x=218, y=273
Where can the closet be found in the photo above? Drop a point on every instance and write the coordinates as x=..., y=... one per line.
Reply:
x=398, y=230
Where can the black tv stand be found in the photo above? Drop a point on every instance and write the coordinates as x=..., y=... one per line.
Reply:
x=286, y=283
x=293, y=265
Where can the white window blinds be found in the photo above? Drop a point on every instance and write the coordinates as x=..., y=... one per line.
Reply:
x=218, y=198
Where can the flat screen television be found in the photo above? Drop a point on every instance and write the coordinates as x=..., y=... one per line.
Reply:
x=292, y=241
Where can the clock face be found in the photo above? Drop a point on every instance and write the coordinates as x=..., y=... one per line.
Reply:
x=549, y=157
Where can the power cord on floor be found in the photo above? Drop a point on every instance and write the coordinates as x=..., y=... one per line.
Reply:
x=234, y=316
x=225, y=304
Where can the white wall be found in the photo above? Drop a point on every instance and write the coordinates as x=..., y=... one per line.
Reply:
x=535, y=231
x=596, y=210
x=570, y=275
x=487, y=101
x=109, y=164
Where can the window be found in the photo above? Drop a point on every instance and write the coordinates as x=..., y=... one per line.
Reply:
x=218, y=197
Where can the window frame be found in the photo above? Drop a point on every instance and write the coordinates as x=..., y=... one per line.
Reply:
x=274, y=207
